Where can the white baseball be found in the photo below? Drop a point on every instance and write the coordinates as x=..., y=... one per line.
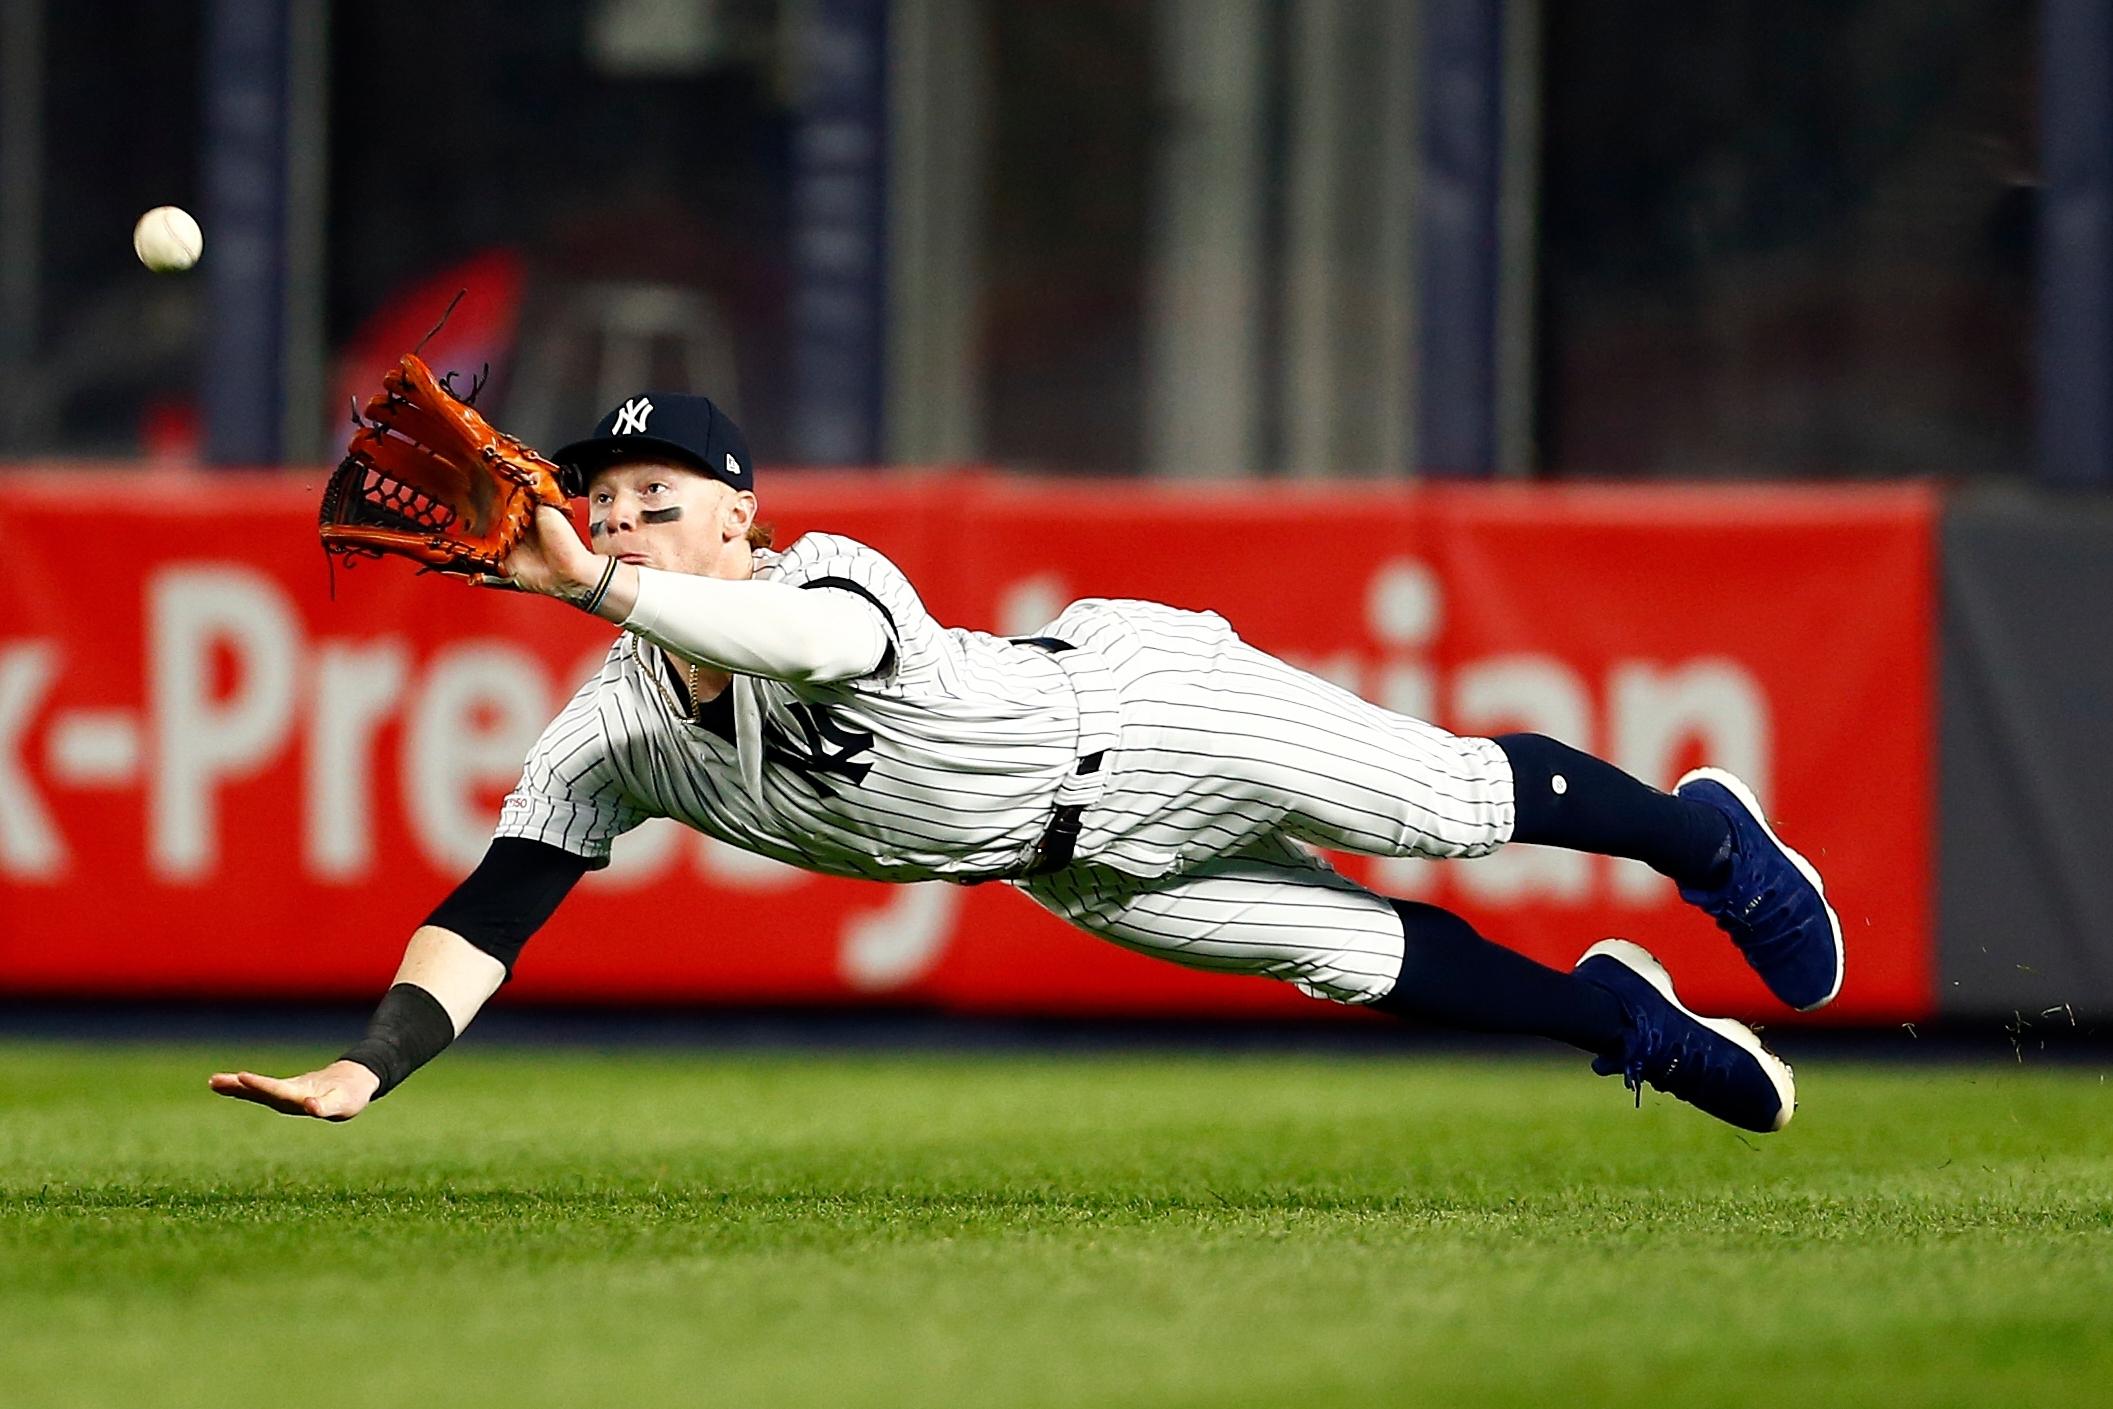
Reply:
x=167, y=239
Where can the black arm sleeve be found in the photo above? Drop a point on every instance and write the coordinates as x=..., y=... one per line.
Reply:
x=508, y=897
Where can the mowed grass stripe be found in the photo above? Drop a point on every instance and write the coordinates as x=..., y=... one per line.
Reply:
x=556, y=1227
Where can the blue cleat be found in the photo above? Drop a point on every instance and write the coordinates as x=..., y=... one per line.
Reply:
x=1772, y=904
x=1714, y=1064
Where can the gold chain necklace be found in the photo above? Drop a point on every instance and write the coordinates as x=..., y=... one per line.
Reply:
x=696, y=704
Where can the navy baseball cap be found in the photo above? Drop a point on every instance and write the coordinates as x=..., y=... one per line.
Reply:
x=683, y=430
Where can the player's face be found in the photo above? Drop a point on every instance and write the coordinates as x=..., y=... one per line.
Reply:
x=669, y=516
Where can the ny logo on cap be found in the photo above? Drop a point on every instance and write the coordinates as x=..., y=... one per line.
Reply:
x=631, y=417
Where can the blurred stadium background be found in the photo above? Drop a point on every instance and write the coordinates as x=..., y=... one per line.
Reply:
x=1727, y=381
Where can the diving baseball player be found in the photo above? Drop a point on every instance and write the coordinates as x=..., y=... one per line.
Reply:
x=1138, y=770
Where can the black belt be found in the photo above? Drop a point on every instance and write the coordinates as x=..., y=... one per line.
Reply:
x=1053, y=852
x=1061, y=838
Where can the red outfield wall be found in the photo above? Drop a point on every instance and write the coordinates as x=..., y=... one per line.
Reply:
x=216, y=779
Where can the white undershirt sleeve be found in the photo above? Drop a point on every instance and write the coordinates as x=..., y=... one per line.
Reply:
x=759, y=627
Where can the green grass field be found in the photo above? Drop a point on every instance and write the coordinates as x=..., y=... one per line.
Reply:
x=557, y=1228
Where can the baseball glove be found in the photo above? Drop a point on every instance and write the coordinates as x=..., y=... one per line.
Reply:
x=427, y=478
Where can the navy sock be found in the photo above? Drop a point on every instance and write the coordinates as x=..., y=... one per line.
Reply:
x=1454, y=977
x=1570, y=799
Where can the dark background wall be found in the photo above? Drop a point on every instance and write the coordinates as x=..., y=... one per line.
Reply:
x=2025, y=840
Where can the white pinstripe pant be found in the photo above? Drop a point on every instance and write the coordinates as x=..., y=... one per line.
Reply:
x=1228, y=759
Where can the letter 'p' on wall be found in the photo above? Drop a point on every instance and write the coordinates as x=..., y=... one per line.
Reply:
x=203, y=738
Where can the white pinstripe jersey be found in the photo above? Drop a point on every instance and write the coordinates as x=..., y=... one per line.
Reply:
x=942, y=763
x=947, y=761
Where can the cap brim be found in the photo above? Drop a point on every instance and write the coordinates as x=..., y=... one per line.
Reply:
x=583, y=459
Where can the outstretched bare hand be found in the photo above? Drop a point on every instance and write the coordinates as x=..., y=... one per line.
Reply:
x=339, y=1091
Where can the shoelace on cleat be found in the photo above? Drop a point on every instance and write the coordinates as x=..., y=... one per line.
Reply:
x=1647, y=1045
x=1762, y=906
